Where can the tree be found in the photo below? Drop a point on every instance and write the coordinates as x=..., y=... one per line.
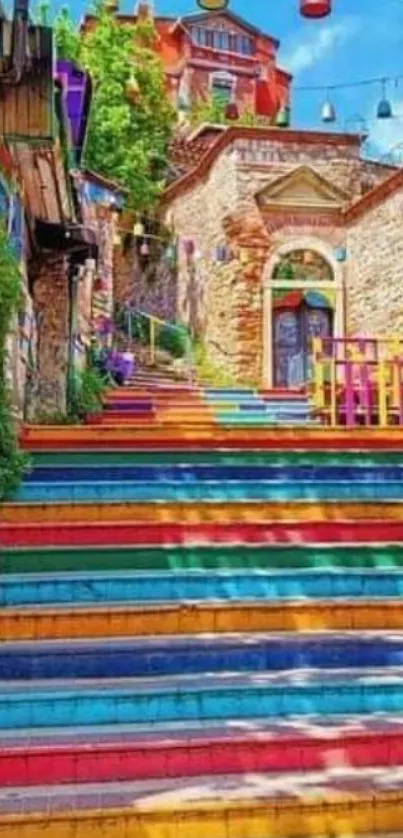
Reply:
x=12, y=460
x=131, y=120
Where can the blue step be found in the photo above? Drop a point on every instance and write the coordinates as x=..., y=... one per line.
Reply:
x=143, y=701
x=201, y=473
x=261, y=419
x=181, y=586
x=188, y=656
x=119, y=491
x=230, y=392
x=284, y=409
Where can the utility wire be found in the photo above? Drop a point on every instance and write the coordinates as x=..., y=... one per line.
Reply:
x=345, y=85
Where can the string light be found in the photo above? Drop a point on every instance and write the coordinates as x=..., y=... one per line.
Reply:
x=319, y=88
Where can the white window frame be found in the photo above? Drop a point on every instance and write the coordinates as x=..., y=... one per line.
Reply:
x=223, y=76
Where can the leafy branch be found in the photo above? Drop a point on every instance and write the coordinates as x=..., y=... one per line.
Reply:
x=13, y=462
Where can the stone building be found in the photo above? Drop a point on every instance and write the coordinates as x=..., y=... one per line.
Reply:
x=299, y=237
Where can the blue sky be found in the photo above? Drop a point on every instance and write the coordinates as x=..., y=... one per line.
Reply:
x=361, y=39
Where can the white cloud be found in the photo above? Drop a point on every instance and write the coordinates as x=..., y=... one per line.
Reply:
x=317, y=46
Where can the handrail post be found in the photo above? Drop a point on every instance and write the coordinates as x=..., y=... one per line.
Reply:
x=152, y=340
x=382, y=394
x=318, y=373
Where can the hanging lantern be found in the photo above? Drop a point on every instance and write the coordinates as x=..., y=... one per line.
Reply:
x=189, y=247
x=328, y=112
x=170, y=253
x=213, y=5
x=231, y=111
x=183, y=103
x=99, y=285
x=138, y=230
x=283, y=117
x=384, y=109
x=340, y=254
x=221, y=253
x=315, y=8
x=145, y=249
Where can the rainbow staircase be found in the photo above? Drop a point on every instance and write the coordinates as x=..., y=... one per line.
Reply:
x=202, y=623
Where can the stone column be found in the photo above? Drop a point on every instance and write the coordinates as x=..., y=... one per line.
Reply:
x=248, y=239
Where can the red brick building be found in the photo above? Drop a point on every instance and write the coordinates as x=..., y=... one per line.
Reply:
x=221, y=55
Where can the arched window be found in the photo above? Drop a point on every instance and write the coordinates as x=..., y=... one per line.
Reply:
x=303, y=265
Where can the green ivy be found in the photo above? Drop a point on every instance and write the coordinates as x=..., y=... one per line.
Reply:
x=131, y=118
x=89, y=391
x=13, y=462
x=174, y=340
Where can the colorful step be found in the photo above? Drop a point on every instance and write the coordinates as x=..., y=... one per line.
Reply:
x=368, y=811
x=201, y=557
x=194, y=586
x=130, y=754
x=210, y=457
x=243, y=513
x=191, y=591
x=208, y=490
x=382, y=474
x=140, y=620
x=39, y=437
x=72, y=530
x=150, y=657
x=222, y=697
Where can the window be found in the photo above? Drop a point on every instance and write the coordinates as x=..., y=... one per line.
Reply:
x=221, y=88
x=247, y=46
x=222, y=40
x=303, y=265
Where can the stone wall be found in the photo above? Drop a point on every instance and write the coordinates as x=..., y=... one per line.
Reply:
x=207, y=295
x=150, y=284
x=51, y=305
x=375, y=270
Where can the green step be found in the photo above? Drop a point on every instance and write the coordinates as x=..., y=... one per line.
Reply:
x=47, y=560
x=125, y=458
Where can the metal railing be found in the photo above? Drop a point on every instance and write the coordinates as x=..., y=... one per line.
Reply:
x=151, y=335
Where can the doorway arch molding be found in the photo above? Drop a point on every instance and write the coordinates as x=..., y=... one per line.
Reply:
x=337, y=284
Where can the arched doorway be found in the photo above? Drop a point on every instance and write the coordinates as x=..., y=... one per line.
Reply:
x=303, y=306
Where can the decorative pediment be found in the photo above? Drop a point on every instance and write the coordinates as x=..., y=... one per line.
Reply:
x=303, y=188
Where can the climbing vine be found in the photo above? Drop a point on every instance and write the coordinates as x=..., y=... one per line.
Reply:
x=131, y=118
x=13, y=462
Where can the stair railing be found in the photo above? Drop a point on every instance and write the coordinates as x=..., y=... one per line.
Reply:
x=155, y=322
x=358, y=381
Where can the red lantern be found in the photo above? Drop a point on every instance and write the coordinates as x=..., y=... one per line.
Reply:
x=315, y=8
x=213, y=5
x=231, y=111
x=99, y=285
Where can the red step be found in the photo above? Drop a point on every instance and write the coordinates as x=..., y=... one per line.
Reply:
x=128, y=759
x=119, y=534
